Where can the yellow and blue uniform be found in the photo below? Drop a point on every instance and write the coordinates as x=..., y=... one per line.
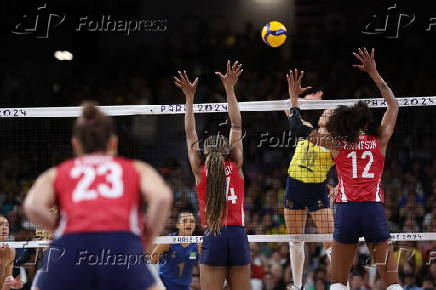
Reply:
x=310, y=163
x=305, y=185
x=176, y=272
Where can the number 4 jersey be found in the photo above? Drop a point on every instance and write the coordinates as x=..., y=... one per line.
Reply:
x=360, y=168
x=97, y=193
x=235, y=195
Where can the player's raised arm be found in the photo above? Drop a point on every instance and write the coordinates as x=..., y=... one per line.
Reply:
x=189, y=88
x=159, y=198
x=229, y=81
x=389, y=120
x=297, y=127
x=315, y=96
x=40, y=199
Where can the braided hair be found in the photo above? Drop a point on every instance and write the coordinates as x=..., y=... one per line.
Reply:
x=216, y=148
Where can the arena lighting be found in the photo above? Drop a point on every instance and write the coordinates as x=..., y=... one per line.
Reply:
x=268, y=1
x=63, y=55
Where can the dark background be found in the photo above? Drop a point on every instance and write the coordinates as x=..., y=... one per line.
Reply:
x=199, y=36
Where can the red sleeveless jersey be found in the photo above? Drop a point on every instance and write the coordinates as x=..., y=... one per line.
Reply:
x=235, y=195
x=97, y=193
x=360, y=168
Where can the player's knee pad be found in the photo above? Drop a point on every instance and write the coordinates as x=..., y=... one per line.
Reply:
x=338, y=286
x=395, y=287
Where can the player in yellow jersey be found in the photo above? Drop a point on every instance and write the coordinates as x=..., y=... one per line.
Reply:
x=306, y=189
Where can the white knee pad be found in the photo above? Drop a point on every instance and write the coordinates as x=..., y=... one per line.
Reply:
x=296, y=245
x=395, y=287
x=338, y=286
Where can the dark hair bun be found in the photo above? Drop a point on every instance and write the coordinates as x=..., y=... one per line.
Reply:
x=90, y=110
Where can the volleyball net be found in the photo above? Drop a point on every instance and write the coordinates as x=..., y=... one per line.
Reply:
x=34, y=139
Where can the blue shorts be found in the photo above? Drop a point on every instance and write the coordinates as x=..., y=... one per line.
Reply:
x=360, y=219
x=95, y=261
x=229, y=248
x=300, y=195
x=170, y=286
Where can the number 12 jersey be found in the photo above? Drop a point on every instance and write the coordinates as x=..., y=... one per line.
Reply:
x=360, y=168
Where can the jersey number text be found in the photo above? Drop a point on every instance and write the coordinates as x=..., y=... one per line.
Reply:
x=113, y=173
x=365, y=155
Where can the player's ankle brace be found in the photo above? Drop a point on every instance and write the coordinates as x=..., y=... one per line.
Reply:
x=338, y=286
x=395, y=287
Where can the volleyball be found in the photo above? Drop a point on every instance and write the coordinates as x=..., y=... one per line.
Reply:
x=274, y=34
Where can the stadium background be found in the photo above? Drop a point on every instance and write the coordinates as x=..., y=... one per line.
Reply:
x=200, y=36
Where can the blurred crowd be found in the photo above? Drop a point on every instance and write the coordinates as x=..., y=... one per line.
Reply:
x=410, y=191
x=409, y=180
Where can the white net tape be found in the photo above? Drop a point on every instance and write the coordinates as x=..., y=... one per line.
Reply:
x=209, y=107
x=395, y=237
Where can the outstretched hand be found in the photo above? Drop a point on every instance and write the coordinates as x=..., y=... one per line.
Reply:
x=294, y=85
x=367, y=60
x=231, y=77
x=188, y=88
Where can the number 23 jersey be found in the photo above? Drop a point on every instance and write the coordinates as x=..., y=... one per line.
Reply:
x=97, y=193
x=360, y=168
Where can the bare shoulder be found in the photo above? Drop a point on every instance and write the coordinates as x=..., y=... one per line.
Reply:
x=141, y=166
x=48, y=175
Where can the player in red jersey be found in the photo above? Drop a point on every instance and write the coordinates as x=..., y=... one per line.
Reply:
x=359, y=147
x=100, y=198
x=359, y=163
x=220, y=186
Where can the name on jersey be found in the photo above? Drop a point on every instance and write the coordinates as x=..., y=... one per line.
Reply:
x=227, y=168
x=93, y=159
x=361, y=145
